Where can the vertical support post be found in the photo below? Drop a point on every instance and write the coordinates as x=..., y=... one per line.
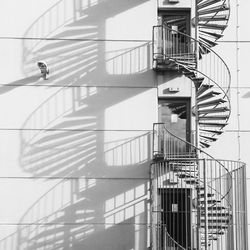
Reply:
x=196, y=87
x=205, y=203
x=151, y=204
x=198, y=243
x=197, y=129
x=245, y=208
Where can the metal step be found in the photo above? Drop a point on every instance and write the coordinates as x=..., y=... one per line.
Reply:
x=212, y=124
x=208, y=195
x=213, y=26
x=211, y=103
x=217, y=132
x=213, y=118
x=207, y=95
x=217, y=226
x=213, y=10
x=204, y=144
x=208, y=42
x=203, y=88
x=213, y=110
x=192, y=181
x=212, y=18
x=212, y=34
x=219, y=220
x=189, y=74
x=203, y=49
x=218, y=214
x=216, y=208
x=204, y=4
x=208, y=138
x=210, y=201
x=182, y=176
x=197, y=81
x=185, y=170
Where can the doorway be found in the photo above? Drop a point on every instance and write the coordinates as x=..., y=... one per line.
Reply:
x=175, y=114
x=178, y=20
x=176, y=216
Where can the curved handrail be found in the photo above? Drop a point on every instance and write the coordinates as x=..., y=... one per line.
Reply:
x=219, y=180
x=202, y=153
x=171, y=241
x=174, y=46
x=229, y=12
x=199, y=43
x=35, y=26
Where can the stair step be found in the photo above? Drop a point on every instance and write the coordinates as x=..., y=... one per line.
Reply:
x=203, y=88
x=210, y=237
x=188, y=73
x=208, y=42
x=182, y=176
x=208, y=138
x=207, y=95
x=208, y=195
x=213, y=118
x=219, y=220
x=213, y=110
x=216, y=232
x=184, y=170
x=213, y=10
x=216, y=226
x=197, y=81
x=213, y=26
x=192, y=181
x=213, y=124
x=211, y=34
x=210, y=201
x=204, y=4
x=213, y=18
x=211, y=103
x=218, y=214
x=216, y=208
x=217, y=132
x=203, y=49
x=204, y=144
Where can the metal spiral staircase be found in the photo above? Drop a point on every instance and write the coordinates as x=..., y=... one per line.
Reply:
x=175, y=50
x=211, y=182
x=179, y=163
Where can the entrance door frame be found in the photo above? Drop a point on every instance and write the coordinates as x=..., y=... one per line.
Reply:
x=175, y=12
x=187, y=101
x=177, y=193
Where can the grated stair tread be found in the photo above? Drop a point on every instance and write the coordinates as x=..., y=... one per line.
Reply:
x=213, y=10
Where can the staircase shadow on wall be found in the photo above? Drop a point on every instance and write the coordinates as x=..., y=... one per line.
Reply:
x=100, y=203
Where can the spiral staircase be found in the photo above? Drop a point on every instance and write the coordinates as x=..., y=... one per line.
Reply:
x=178, y=162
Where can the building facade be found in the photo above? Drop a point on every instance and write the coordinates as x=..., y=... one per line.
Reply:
x=113, y=121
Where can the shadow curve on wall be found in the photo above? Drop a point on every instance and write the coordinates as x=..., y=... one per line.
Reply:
x=101, y=199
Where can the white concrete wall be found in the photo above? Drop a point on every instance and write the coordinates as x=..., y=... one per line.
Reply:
x=75, y=149
x=96, y=130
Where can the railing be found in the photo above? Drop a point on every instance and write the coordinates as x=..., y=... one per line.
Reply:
x=167, y=43
x=171, y=45
x=168, y=146
x=216, y=187
x=56, y=17
x=166, y=242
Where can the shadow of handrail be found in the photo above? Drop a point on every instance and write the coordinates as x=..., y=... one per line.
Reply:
x=77, y=202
